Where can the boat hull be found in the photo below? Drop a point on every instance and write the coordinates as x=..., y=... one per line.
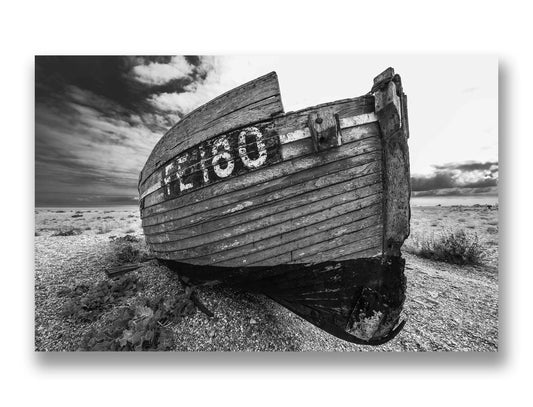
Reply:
x=277, y=203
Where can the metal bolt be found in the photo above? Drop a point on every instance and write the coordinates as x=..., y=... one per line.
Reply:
x=319, y=120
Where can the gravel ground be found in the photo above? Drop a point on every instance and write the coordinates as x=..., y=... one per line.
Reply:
x=448, y=308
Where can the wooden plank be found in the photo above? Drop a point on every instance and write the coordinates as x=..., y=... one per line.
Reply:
x=352, y=134
x=291, y=240
x=287, y=210
x=255, y=101
x=249, y=139
x=359, y=236
x=267, y=173
x=253, y=203
x=345, y=245
x=223, y=227
x=297, y=148
x=188, y=171
x=295, y=135
x=218, y=159
x=259, y=233
x=372, y=252
x=292, y=122
x=343, y=108
x=229, y=202
x=346, y=122
x=358, y=120
x=172, y=228
x=298, y=241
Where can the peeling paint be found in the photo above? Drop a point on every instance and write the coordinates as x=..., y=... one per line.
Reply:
x=239, y=207
x=366, y=327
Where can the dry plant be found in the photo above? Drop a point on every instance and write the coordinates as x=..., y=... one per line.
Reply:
x=455, y=247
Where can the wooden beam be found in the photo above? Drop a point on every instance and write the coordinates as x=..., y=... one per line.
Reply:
x=392, y=117
x=325, y=131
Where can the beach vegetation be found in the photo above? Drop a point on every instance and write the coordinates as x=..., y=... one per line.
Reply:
x=85, y=303
x=68, y=232
x=143, y=326
x=455, y=247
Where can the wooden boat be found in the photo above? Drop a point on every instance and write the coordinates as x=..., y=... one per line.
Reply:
x=309, y=207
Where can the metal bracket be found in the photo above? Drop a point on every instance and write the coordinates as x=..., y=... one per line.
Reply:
x=325, y=130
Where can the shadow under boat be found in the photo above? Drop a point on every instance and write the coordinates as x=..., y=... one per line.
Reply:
x=359, y=300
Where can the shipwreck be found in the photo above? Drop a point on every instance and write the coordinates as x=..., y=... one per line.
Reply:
x=310, y=207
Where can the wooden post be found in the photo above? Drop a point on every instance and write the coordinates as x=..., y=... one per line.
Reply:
x=392, y=117
x=324, y=131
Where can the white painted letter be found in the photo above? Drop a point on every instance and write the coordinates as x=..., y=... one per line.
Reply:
x=222, y=144
x=202, y=165
x=168, y=178
x=182, y=160
x=246, y=160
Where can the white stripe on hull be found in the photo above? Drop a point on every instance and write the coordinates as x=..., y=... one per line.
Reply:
x=300, y=134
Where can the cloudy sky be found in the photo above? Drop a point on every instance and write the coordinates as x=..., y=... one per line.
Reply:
x=98, y=118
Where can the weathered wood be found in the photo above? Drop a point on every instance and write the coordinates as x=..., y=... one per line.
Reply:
x=267, y=173
x=353, y=177
x=291, y=210
x=280, y=187
x=298, y=148
x=282, y=125
x=396, y=178
x=253, y=102
x=358, y=120
x=301, y=240
x=295, y=135
x=270, y=209
x=343, y=108
x=383, y=78
x=325, y=131
x=363, y=239
x=388, y=109
x=365, y=287
x=348, y=246
x=258, y=233
x=230, y=155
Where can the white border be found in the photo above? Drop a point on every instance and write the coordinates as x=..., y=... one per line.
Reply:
x=156, y=27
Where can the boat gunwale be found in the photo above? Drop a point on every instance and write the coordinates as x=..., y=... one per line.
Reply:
x=255, y=170
x=144, y=177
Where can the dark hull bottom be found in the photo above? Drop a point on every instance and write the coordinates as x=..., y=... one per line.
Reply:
x=357, y=300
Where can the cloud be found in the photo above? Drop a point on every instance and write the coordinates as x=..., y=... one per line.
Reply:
x=469, y=174
x=468, y=166
x=208, y=84
x=88, y=146
x=155, y=73
x=436, y=181
x=177, y=102
x=98, y=118
x=486, y=191
x=95, y=126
